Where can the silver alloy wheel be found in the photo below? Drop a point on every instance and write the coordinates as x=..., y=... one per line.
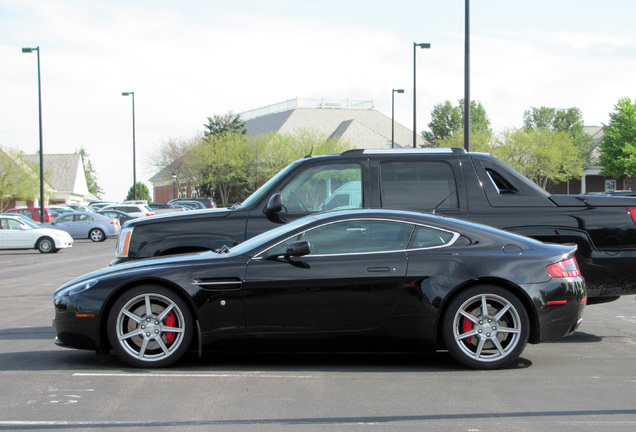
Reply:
x=96, y=235
x=487, y=327
x=150, y=327
x=45, y=245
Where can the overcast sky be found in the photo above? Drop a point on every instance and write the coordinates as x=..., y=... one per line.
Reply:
x=192, y=59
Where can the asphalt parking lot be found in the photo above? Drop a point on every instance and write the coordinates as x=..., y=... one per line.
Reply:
x=585, y=382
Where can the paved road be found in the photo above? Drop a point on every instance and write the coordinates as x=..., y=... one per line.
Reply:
x=586, y=382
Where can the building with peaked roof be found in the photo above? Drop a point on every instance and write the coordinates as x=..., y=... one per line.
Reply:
x=64, y=174
x=356, y=122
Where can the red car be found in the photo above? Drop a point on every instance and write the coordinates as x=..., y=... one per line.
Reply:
x=33, y=213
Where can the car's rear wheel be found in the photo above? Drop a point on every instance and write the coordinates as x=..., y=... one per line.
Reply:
x=97, y=235
x=486, y=327
x=46, y=245
x=150, y=326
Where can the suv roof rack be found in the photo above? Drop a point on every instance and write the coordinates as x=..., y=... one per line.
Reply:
x=455, y=150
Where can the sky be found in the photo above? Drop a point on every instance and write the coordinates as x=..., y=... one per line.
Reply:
x=192, y=59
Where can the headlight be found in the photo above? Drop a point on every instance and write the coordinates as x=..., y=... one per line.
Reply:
x=77, y=288
x=123, y=243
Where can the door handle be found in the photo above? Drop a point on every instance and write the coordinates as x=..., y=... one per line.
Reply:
x=378, y=269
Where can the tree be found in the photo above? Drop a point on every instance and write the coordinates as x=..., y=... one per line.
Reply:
x=89, y=172
x=18, y=179
x=543, y=155
x=448, y=120
x=569, y=120
x=618, y=148
x=142, y=193
x=223, y=124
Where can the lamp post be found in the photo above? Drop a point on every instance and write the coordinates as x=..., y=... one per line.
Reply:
x=467, y=77
x=393, y=115
x=134, y=166
x=42, y=214
x=174, y=186
x=422, y=46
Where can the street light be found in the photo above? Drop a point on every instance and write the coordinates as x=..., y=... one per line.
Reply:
x=174, y=186
x=422, y=46
x=134, y=169
x=42, y=214
x=467, y=76
x=393, y=115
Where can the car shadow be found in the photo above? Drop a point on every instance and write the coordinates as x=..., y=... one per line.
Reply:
x=578, y=337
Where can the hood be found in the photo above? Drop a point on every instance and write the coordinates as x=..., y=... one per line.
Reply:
x=193, y=214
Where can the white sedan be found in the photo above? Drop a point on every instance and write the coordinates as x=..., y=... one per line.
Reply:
x=19, y=233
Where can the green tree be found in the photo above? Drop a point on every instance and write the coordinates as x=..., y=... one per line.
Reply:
x=142, y=193
x=18, y=179
x=224, y=124
x=89, y=172
x=543, y=155
x=618, y=148
x=569, y=120
x=447, y=121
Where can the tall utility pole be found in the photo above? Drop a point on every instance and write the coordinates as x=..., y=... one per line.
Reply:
x=415, y=45
x=42, y=214
x=467, y=78
x=132, y=93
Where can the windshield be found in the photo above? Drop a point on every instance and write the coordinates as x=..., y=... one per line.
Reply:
x=254, y=242
x=256, y=196
x=30, y=223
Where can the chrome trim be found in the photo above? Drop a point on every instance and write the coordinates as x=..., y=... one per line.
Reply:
x=199, y=283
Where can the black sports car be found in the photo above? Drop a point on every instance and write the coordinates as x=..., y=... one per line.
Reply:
x=374, y=279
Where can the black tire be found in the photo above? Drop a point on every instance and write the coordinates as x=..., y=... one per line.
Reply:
x=46, y=245
x=144, y=341
x=486, y=339
x=96, y=235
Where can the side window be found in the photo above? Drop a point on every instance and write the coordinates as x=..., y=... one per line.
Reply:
x=322, y=188
x=426, y=237
x=418, y=185
x=351, y=237
x=66, y=219
x=84, y=218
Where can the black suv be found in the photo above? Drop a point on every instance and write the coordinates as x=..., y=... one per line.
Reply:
x=449, y=182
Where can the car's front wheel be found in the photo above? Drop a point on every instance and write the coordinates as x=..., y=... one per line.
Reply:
x=97, y=235
x=486, y=327
x=150, y=326
x=46, y=245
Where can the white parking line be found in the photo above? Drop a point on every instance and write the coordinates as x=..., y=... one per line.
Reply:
x=631, y=319
x=193, y=375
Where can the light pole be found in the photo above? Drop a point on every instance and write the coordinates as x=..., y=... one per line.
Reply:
x=393, y=115
x=42, y=214
x=174, y=186
x=134, y=166
x=422, y=46
x=467, y=77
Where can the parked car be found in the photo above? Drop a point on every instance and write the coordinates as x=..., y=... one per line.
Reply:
x=80, y=207
x=58, y=210
x=207, y=202
x=33, y=213
x=17, y=232
x=116, y=214
x=340, y=277
x=96, y=205
x=137, y=210
x=451, y=182
x=191, y=205
x=161, y=208
x=87, y=225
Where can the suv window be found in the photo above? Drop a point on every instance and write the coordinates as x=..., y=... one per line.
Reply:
x=324, y=187
x=418, y=185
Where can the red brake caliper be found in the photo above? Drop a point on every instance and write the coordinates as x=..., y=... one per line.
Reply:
x=467, y=326
x=170, y=322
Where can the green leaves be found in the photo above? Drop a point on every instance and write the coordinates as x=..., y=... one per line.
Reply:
x=618, y=148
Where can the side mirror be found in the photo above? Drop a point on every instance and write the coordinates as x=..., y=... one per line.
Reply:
x=274, y=205
x=297, y=249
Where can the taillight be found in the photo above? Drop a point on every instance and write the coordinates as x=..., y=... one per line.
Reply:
x=632, y=213
x=564, y=269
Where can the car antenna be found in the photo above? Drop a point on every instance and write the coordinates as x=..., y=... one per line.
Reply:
x=311, y=153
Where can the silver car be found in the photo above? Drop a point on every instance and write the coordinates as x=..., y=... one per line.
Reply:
x=86, y=225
